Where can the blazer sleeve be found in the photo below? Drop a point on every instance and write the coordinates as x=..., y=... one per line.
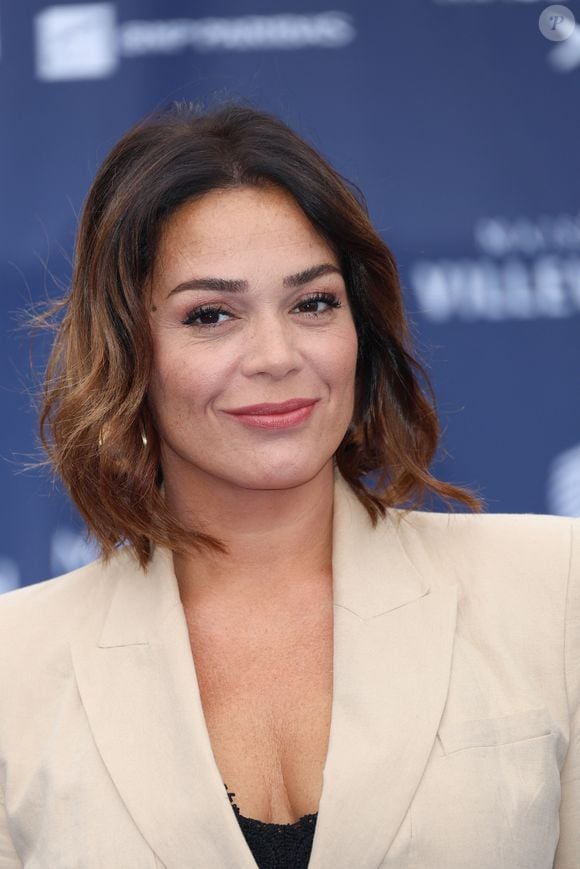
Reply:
x=8, y=856
x=568, y=850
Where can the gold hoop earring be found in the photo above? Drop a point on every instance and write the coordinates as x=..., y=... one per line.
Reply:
x=143, y=436
x=102, y=434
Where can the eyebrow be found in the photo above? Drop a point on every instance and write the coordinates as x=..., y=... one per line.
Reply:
x=232, y=285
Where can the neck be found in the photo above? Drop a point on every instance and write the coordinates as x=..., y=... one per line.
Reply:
x=279, y=541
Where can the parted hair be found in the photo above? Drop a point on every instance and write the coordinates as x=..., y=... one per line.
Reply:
x=95, y=423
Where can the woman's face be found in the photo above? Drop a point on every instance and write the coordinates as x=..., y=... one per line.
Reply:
x=251, y=259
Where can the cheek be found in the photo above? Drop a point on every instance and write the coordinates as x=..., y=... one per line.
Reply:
x=339, y=356
x=169, y=380
x=183, y=381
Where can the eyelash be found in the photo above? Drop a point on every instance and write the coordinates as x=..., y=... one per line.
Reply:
x=329, y=298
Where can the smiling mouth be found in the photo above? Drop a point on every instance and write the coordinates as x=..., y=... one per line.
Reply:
x=268, y=409
x=269, y=420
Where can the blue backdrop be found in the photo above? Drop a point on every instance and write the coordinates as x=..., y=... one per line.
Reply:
x=458, y=119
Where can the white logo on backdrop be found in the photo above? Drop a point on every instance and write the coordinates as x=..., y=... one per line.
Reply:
x=9, y=574
x=85, y=41
x=563, y=491
x=69, y=550
x=76, y=42
x=527, y=269
x=247, y=33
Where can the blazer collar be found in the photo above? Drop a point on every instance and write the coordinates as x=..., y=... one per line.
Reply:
x=372, y=574
x=393, y=639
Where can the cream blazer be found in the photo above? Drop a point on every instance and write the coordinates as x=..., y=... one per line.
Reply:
x=454, y=739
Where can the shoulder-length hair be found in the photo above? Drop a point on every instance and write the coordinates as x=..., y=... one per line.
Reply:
x=95, y=424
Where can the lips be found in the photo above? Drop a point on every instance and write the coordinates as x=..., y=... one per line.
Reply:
x=269, y=409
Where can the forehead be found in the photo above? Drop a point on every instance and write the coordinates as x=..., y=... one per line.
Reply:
x=237, y=226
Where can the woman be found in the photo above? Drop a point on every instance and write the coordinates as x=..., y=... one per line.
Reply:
x=375, y=685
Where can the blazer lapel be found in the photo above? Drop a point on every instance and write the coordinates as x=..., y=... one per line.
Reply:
x=393, y=643
x=393, y=639
x=138, y=685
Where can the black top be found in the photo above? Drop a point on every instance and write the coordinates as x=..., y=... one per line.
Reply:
x=278, y=846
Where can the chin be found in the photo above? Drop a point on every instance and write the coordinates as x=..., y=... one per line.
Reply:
x=278, y=478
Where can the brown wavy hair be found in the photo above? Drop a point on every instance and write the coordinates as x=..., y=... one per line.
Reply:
x=94, y=416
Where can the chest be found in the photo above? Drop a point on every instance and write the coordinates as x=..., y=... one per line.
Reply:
x=266, y=693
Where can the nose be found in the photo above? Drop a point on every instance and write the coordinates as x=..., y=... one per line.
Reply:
x=270, y=347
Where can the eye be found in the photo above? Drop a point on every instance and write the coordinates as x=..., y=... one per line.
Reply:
x=203, y=314
x=329, y=299
x=207, y=316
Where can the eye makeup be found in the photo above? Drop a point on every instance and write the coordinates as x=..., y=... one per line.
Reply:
x=194, y=316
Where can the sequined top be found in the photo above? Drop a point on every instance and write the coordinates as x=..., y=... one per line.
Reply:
x=278, y=846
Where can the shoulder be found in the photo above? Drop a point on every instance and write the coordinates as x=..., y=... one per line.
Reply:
x=38, y=625
x=51, y=598
x=511, y=555
x=488, y=522
x=504, y=535
x=47, y=614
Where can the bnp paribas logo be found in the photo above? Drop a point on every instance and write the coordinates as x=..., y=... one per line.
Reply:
x=76, y=42
x=85, y=41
